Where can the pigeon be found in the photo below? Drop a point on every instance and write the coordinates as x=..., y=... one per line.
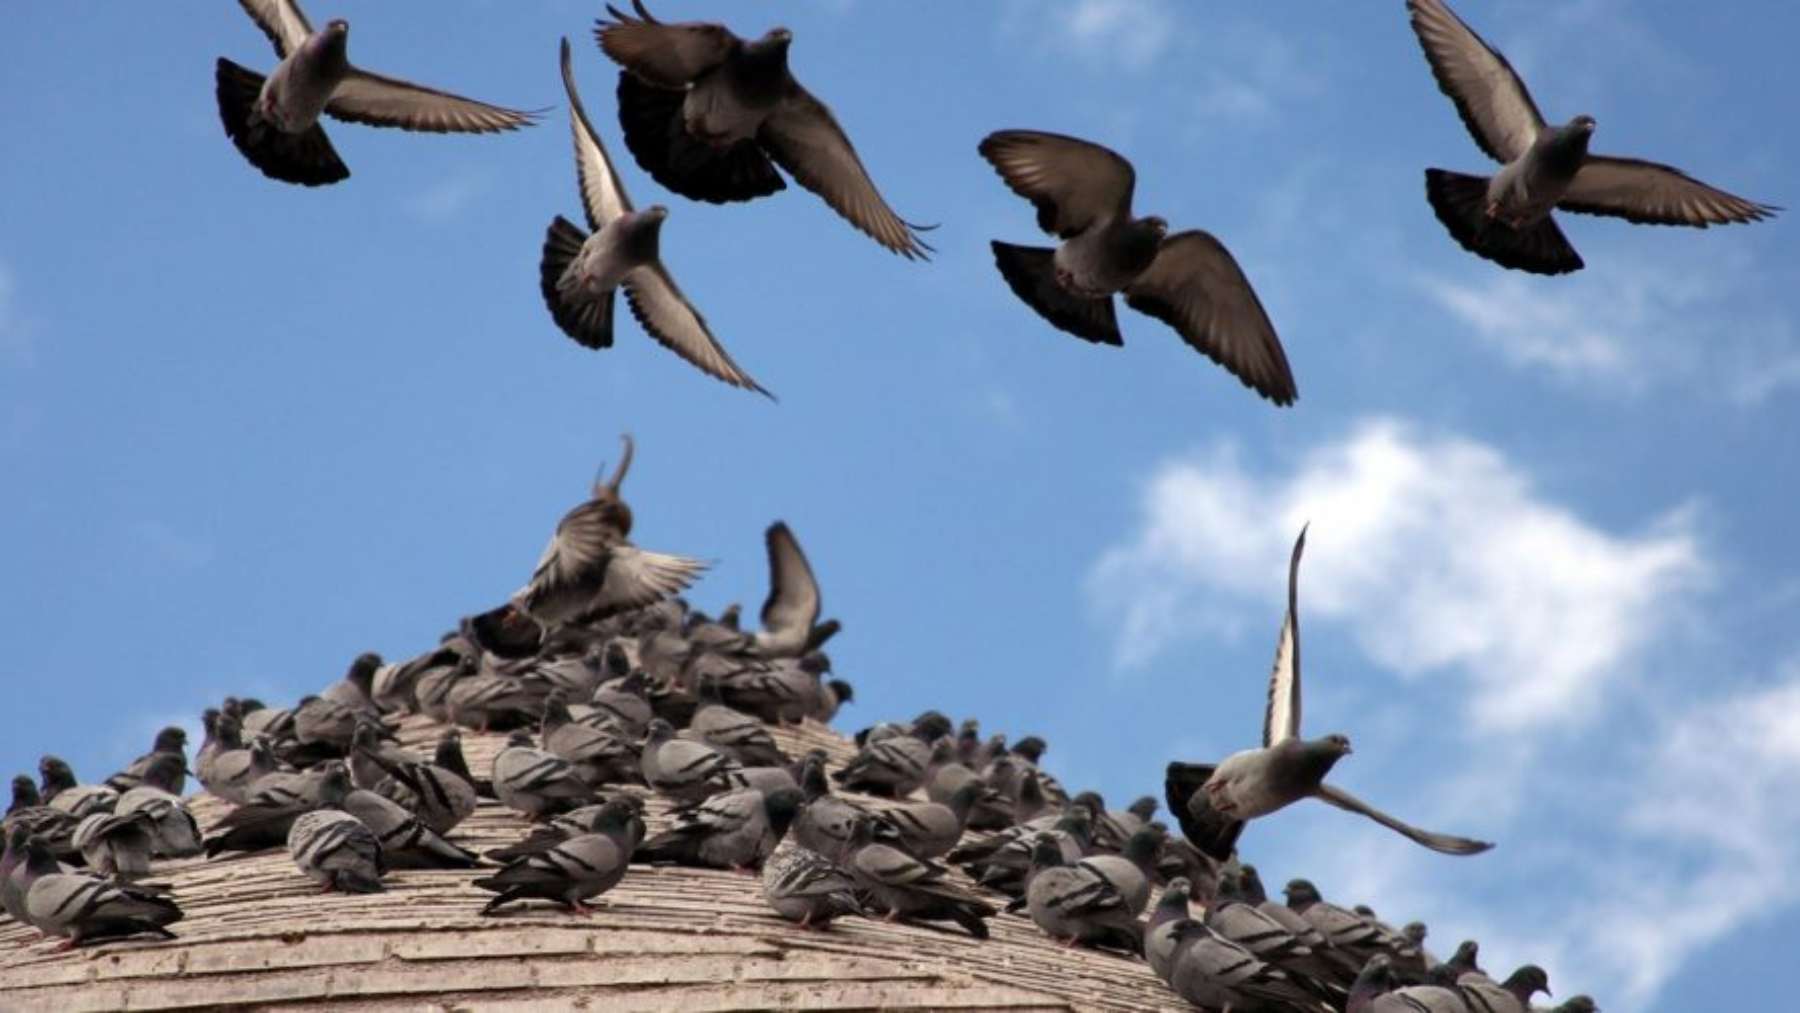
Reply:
x=28, y=812
x=931, y=829
x=274, y=803
x=1165, y=920
x=1272, y=942
x=624, y=704
x=171, y=741
x=575, y=676
x=574, y=823
x=734, y=829
x=574, y=870
x=601, y=755
x=681, y=769
x=406, y=842
x=488, y=701
x=1345, y=931
x=231, y=770
x=12, y=862
x=805, y=887
x=357, y=688
x=704, y=112
x=621, y=248
x=274, y=121
x=892, y=767
x=87, y=909
x=537, y=783
x=1082, y=192
x=1465, y=959
x=832, y=695
x=825, y=822
x=1076, y=904
x=449, y=756
x=1209, y=970
x=1482, y=995
x=1507, y=218
x=738, y=735
x=790, y=614
x=62, y=791
x=1214, y=802
x=173, y=831
x=335, y=850
x=116, y=844
x=1377, y=990
x=776, y=690
x=910, y=888
x=590, y=567
x=1241, y=883
x=322, y=722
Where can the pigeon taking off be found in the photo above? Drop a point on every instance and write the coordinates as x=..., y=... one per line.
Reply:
x=274, y=121
x=621, y=249
x=1213, y=803
x=1506, y=217
x=1189, y=281
x=704, y=112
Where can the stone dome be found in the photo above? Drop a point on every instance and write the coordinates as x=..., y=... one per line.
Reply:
x=258, y=934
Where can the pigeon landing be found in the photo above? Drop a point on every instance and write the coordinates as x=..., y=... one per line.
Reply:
x=1213, y=803
x=580, y=270
x=274, y=121
x=704, y=112
x=1189, y=281
x=1506, y=218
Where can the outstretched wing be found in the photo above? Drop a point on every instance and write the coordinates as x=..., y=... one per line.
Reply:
x=1281, y=720
x=281, y=21
x=1650, y=193
x=377, y=101
x=793, y=602
x=603, y=197
x=1488, y=94
x=665, y=55
x=1073, y=183
x=1445, y=843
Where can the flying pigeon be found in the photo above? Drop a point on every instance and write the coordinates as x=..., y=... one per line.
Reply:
x=335, y=850
x=1189, y=281
x=575, y=869
x=734, y=829
x=274, y=121
x=790, y=614
x=1506, y=218
x=704, y=112
x=804, y=886
x=590, y=567
x=621, y=248
x=1213, y=802
x=87, y=909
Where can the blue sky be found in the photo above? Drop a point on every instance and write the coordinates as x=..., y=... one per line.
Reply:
x=249, y=430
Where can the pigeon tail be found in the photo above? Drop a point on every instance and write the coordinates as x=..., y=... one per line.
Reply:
x=1031, y=273
x=656, y=134
x=306, y=158
x=1214, y=833
x=588, y=320
x=972, y=918
x=1460, y=202
x=356, y=881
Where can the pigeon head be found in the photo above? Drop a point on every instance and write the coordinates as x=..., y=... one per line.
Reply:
x=615, y=815
x=56, y=775
x=556, y=711
x=1300, y=893
x=771, y=50
x=931, y=726
x=1089, y=801
x=1251, y=885
x=812, y=778
x=845, y=693
x=1143, y=808
x=1174, y=900
x=209, y=720
x=331, y=44
x=1414, y=932
x=170, y=740
x=1376, y=977
x=963, y=799
x=362, y=670
x=780, y=807
x=39, y=861
x=659, y=732
x=1046, y=852
x=25, y=793
x=1526, y=982
x=1583, y=123
x=1365, y=910
x=818, y=663
x=1156, y=225
x=1030, y=747
x=166, y=771
x=335, y=784
x=618, y=663
x=1467, y=956
x=608, y=492
x=1568, y=144
x=229, y=733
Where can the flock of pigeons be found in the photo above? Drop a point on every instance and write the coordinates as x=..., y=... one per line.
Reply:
x=614, y=690
x=709, y=115
x=611, y=685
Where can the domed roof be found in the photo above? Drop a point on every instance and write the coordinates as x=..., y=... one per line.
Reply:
x=258, y=933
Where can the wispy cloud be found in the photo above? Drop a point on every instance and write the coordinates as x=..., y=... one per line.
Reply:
x=1628, y=324
x=445, y=199
x=1436, y=550
x=1128, y=34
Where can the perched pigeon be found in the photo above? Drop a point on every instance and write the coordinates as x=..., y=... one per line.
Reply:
x=804, y=886
x=776, y=690
x=1165, y=923
x=1345, y=931
x=894, y=767
x=230, y=772
x=12, y=863
x=681, y=769
x=738, y=735
x=356, y=690
x=1075, y=903
x=931, y=829
x=1082, y=193
x=335, y=850
x=449, y=756
x=1209, y=970
x=590, y=567
x=406, y=842
x=1376, y=990
x=274, y=803
x=704, y=112
x=574, y=823
x=171, y=741
x=327, y=723
x=601, y=755
x=1213, y=802
x=274, y=121
x=537, y=783
x=825, y=822
x=574, y=870
x=1507, y=218
x=1272, y=942
x=28, y=813
x=734, y=829
x=910, y=888
x=62, y=791
x=622, y=248
x=87, y=909
x=173, y=831
x=1483, y=995
x=116, y=844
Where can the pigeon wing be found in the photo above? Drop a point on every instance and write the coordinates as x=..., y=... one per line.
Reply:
x=667, y=315
x=377, y=101
x=1489, y=96
x=281, y=21
x=1281, y=720
x=793, y=602
x=1073, y=183
x=1650, y=193
x=667, y=55
x=603, y=197
x=1445, y=843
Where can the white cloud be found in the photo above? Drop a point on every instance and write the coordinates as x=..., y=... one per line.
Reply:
x=1435, y=550
x=1627, y=324
x=1132, y=34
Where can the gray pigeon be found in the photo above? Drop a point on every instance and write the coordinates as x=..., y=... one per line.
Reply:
x=274, y=803
x=601, y=755
x=1214, y=802
x=335, y=850
x=27, y=812
x=910, y=888
x=1346, y=931
x=790, y=613
x=740, y=736
x=274, y=121
x=1209, y=970
x=1165, y=921
x=894, y=767
x=777, y=690
x=1242, y=883
x=406, y=842
x=825, y=822
x=116, y=844
x=804, y=886
x=623, y=703
x=683, y=770
x=230, y=772
x=537, y=783
x=734, y=829
x=574, y=823
x=1271, y=941
x=1082, y=193
x=356, y=690
x=171, y=741
x=87, y=909
x=173, y=831
x=704, y=112
x=12, y=863
x=622, y=248
x=1076, y=904
x=440, y=797
x=487, y=701
x=1377, y=990
x=574, y=870
x=1507, y=218
x=1483, y=995
x=931, y=829
x=327, y=723
x=590, y=567
x=62, y=791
